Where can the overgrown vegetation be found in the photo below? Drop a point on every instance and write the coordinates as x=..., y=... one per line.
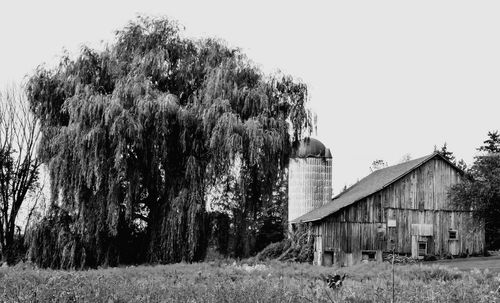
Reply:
x=480, y=190
x=297, y=247
x=263, y=282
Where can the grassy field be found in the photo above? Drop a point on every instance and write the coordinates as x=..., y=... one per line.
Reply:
x=466, y=264
x=268, y=282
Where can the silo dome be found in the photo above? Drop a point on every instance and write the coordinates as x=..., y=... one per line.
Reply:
x=309, y=177
x=310, y=148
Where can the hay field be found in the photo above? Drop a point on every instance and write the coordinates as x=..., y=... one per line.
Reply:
x=240, y=282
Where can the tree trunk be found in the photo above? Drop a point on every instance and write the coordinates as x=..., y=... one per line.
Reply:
x=8, y=252
x=2, y=243
x=241, y=244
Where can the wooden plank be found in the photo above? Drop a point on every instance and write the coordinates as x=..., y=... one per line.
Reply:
x=414, y=247
x=422, y=229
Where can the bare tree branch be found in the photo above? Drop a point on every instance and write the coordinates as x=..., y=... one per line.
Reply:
x=36, y=200
x=19, y=164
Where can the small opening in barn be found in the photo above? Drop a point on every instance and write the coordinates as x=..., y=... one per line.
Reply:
x=422, y=248
x=328, y=258
x=453, y=235
x=368, y=255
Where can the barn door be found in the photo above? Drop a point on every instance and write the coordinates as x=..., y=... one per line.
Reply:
x=453, y=242
x=420, y=246
x=421, y=240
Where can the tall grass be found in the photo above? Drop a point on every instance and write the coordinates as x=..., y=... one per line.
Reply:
x=269, y=282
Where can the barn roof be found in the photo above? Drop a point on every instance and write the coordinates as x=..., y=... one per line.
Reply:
x=371, y=184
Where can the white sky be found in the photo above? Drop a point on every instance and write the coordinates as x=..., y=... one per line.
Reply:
x=386, y=78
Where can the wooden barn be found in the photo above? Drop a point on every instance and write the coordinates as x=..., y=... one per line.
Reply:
x=404, y=208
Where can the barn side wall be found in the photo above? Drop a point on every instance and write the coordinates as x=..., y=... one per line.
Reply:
x=418, y=206
x=350, y=231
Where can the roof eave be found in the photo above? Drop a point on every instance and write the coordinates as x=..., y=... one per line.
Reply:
x=305, y=221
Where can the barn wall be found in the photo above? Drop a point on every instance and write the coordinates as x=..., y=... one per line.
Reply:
x=470, y=234
x=351, y=230
x=425, y=188
x=420, y=207
x=421, y=197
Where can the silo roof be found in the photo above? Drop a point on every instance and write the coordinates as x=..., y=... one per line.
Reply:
x=310, y=148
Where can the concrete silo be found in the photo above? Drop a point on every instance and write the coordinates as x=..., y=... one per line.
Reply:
x=309, y=177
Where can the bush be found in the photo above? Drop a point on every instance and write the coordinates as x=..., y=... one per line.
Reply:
x=299, y=247
x=274, y=250
x=17, y=253
x=430, y=258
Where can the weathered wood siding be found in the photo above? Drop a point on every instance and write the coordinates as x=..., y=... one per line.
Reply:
x=418, y=203
x=425, y=188
x=353, y=229
x=470, y=235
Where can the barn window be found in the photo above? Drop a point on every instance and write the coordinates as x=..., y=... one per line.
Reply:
x=453, y=234
x=422, y=248
x=368, y=255
x=328, y=258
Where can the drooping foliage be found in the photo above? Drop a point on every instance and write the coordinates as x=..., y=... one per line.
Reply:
x=135, y=136
x=480, y=190
x=258, y=219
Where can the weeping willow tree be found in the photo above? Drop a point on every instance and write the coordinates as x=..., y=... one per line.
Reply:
x=135, y=135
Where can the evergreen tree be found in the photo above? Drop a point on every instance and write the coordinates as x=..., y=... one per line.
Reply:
x=492, y=144
x=462, y=165
x=446, y=153
x=480, y=190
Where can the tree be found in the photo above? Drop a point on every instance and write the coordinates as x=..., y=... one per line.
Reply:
x=446, y=153
x=405, y=158
x=378, y=164
x=450, y=157
x=462, y=165
x=138, y=134
x=480, y=190
x=492, y=144
x=344, y=188
x=19, y=164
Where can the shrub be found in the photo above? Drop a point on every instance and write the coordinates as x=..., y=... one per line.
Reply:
x=274, y=250
x=299, y=247
x=430, y=258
